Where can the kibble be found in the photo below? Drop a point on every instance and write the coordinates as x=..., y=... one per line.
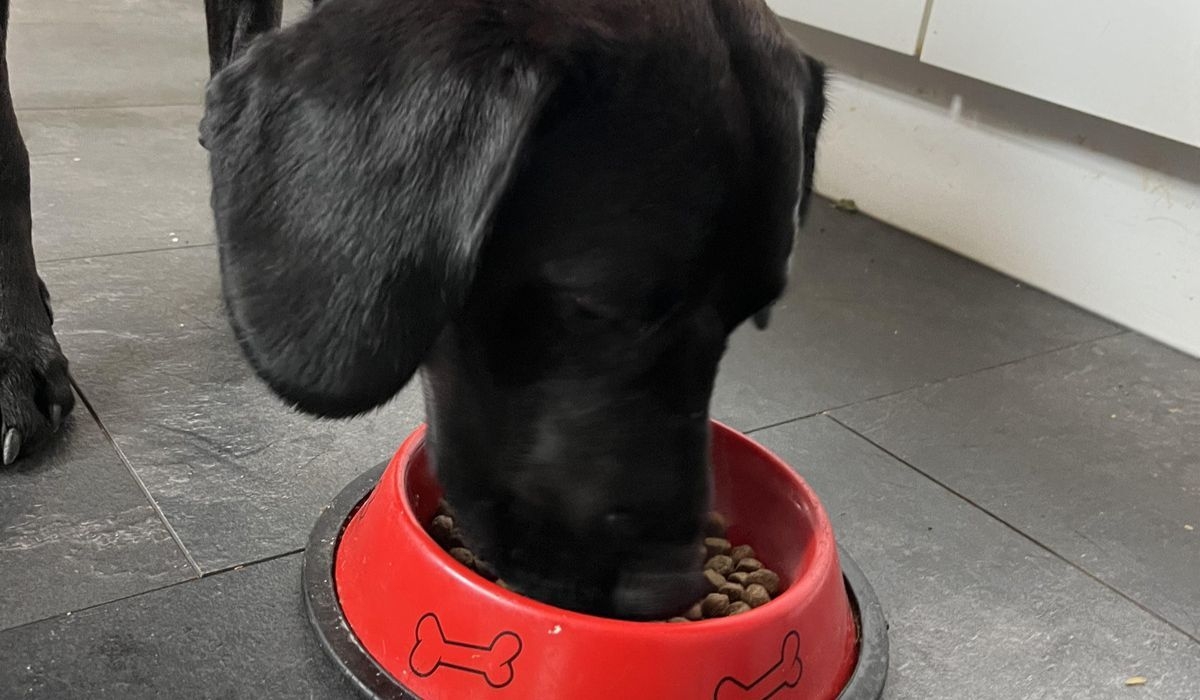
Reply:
x=443, y=531
x=716, y=545
x=721, y=564
x=740, y=552
x=749, y=564
x=715, y=605
x=755, y=595
x=463, y=556
x=736, y=581
x=764, y=577
x=715, y=580
x=732, y=591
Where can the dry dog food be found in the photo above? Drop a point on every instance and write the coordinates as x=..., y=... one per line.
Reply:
x=736, y=580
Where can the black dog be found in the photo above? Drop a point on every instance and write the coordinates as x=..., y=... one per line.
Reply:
x=35, y=389
x=559, y=209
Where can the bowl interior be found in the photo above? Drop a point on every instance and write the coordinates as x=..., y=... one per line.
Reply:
x=764, y=502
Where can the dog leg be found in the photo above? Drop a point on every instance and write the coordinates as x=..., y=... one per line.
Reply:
x=35, y=390
x=233, y=23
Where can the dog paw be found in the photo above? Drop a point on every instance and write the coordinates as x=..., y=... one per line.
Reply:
x=35, y=387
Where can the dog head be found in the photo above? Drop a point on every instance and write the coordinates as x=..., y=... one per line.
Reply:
x=560, y=214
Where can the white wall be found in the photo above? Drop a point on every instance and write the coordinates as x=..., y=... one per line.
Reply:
x=1135, y=63
x=1103, y=215
x=892, y=24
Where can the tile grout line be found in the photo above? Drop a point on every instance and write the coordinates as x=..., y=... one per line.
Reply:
x=1021, y=533
x=192, y=563
x=157, y=589
x=73, y=258
x=934, y=382
x=235, y=567
x=788, y=421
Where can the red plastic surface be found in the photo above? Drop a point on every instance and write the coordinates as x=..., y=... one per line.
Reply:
x=446, y=633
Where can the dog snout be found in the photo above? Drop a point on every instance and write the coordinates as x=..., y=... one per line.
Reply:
x=662, y=582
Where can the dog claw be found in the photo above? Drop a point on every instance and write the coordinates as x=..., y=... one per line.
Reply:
x=55, y=417
x=12, y=446
x=762, y=318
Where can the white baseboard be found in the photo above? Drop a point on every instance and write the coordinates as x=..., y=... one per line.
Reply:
x=1102, y=215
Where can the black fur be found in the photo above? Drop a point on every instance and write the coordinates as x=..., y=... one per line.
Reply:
x=560, y=210
x=35, y=388
x=355, y=174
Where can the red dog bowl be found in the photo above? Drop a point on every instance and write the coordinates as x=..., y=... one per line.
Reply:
x=403, y=619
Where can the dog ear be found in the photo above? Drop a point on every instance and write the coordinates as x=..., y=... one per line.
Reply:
x=785, y=98
x=357, y=158
x=810, y=87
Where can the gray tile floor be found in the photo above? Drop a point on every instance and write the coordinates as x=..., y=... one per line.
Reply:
x=1019, y=479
